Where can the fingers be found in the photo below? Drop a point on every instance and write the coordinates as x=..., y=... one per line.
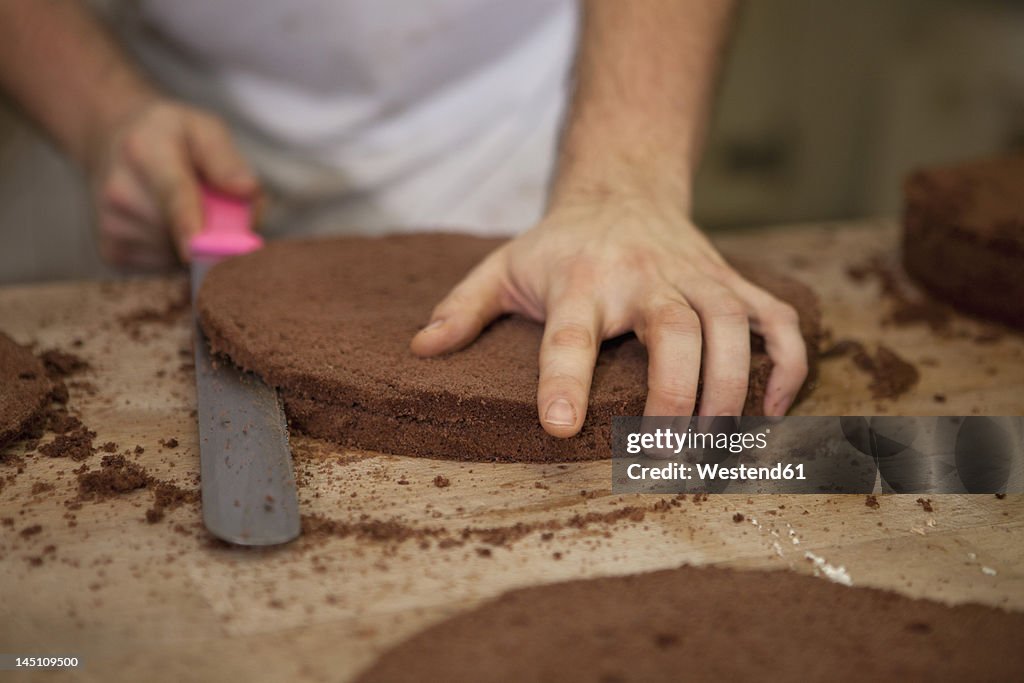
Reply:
x=170, y=151
x=129, y=223
x=127, y=242
x=671, y=331
x=785, y=345
x=125, y=193
x=779, y=324
x=215, y=156
x=464, y=313
x=568, y=352
x=726, y=333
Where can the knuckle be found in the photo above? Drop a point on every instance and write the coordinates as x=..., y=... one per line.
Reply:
x=562, y=383
x=133, y=146
x=729, y=309
x=732, y=386
x=572, y=336
x=674, y=318
x=719, y=271
x=582, y=274
x=676, y=395
x=210, y=127
x=113, y=194
x=169, y=114
x=641, y=260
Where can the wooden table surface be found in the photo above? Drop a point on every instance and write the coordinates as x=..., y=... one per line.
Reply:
x=156, y=602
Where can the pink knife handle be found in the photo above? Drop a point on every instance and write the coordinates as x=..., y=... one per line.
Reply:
x=227, y=227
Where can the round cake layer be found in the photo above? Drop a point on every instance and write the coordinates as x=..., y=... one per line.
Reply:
x=964, y=236
x=710, y=624
x=24, y=389
x=329, y=323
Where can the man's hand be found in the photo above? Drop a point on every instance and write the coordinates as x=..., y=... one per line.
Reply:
x=145, y=155
x=617, y=250
x=145, y=178
x=597, y=269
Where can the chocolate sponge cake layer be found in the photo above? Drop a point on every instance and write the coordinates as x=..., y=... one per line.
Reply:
x=963, y=236
x=329, y=323
x=709, y=624
x=24, y=389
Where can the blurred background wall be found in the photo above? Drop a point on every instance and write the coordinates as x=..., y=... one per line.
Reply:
x=823, y=108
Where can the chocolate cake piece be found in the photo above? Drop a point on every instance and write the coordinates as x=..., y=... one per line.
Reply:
x=963, y=236
x=710, y=624
x=329, y=323
x=24, y=389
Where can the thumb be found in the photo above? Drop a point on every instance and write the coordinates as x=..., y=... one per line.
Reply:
x=217, y=158
x=464, y=313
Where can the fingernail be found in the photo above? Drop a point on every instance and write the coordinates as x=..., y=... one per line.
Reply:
x=433, y=325
x=560, y=414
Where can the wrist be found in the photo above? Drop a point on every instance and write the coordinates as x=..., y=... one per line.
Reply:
x=102, y=126
x=621, y=178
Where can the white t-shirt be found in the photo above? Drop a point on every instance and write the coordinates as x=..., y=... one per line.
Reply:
x=369, y=115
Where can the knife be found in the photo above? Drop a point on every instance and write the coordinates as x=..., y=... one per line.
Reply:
x=248, y=487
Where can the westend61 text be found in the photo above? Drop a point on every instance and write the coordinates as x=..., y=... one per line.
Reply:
x=711, y=472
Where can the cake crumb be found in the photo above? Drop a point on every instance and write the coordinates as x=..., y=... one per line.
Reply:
x=30, y=531
x=61, y=363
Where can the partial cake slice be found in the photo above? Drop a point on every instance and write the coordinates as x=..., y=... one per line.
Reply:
x=709, y=624
x=963, y=236
x=24, y=389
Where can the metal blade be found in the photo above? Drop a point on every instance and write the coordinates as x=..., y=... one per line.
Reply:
x=248, y=487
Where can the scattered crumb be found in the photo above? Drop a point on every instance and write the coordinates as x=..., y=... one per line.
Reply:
x=891, y=376
x=75, y=444
x=61, y=363
x=30, y=531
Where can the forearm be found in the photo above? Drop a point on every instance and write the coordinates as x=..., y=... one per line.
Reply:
x=644, y=79
x=60, y=66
